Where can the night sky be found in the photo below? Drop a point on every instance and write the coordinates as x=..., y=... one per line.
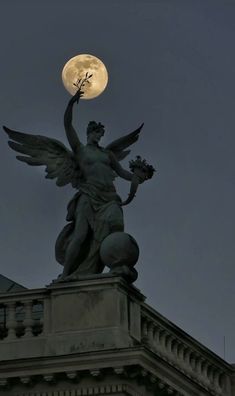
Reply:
x=171, y=64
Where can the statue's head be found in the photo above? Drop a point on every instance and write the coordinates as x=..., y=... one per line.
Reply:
x=95, y=130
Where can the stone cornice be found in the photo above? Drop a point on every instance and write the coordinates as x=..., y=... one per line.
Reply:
x=107, y=389
x=137, y=362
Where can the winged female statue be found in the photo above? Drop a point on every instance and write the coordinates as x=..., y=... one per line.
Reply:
x=95, y=211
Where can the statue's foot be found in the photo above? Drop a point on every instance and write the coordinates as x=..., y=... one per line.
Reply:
x=59, y=279
x=71, y=277
x=64, y=278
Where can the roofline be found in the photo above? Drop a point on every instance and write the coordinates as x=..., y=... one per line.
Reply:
x=13, y=283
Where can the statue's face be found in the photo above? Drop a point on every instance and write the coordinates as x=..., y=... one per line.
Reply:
x=95, y=136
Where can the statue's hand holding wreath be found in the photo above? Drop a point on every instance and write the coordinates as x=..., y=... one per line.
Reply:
x=142, y=171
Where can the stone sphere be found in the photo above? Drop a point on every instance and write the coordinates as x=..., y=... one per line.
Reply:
x=119, y=249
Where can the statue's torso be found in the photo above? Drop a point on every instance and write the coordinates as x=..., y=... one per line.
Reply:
x=95, y=165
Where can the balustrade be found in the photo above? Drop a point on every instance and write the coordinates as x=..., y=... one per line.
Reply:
x=21, y=318
x=189, y=359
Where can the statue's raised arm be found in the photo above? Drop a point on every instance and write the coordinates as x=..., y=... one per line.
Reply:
x=71, y=134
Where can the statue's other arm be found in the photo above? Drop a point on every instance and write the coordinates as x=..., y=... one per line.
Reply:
x=123, y=173
x=69, y=129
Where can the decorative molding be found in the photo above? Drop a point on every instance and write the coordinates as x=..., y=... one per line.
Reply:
x=95, y=373
x=142, y=376
x=152, y=381
x=72, y=375
x=3, y=382
x=119, y=370
x=108, y=389
x=50, y=378
x=26, y=380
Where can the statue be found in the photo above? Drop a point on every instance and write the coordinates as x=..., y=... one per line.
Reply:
x=95, y=211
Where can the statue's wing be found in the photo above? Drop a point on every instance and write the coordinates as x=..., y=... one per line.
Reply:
x=40, y=150
x=118, y=146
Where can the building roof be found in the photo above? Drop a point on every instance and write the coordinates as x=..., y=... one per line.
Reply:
x=7, y=285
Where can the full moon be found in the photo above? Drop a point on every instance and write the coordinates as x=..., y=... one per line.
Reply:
x=77, y=67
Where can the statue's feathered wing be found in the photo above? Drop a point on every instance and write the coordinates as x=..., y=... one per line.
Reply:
x=119, y=146
x=40, y=150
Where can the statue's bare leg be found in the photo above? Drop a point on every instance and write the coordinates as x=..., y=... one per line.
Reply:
x=74, y=247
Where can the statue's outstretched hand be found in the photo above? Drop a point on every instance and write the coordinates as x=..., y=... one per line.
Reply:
x=77, y=96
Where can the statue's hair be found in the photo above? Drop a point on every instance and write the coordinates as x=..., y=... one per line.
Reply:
x=93, y=126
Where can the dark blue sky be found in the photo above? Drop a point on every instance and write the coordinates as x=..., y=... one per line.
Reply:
x=171, y=64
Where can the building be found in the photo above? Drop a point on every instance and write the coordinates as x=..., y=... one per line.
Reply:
x=9, y=286
x=99, y=337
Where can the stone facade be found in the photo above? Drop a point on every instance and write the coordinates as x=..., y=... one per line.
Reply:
x=99, y=337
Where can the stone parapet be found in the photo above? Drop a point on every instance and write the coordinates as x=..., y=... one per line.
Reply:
x=70, y=318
